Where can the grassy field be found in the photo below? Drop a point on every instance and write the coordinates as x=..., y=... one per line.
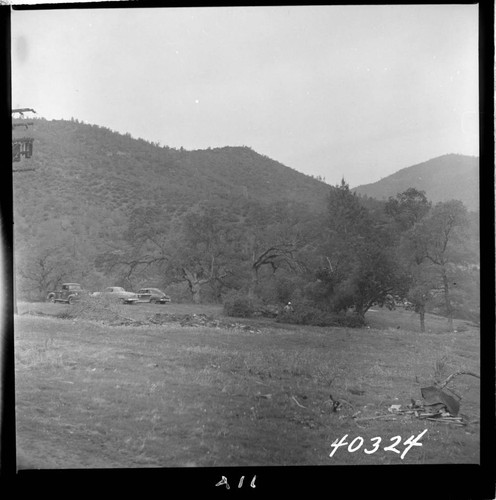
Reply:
x=90, y=395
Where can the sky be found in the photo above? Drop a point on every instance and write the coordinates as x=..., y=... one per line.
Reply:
x=334, y=91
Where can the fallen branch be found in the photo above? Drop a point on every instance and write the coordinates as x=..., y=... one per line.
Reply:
x=454, y=393
x=445, y=421
x=301, y=406
x=453, y=375
x=261, y=383
x=375, y=418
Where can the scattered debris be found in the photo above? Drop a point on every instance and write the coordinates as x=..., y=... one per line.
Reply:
x=433, y=413
x=122, y=321
x=338, y=403
x=435, y=406
x=335, y=404
x=394, y=408
x=198, y=320
x=264, y=396
x=111, y=317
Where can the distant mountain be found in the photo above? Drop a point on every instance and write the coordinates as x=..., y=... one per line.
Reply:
x=447, y=177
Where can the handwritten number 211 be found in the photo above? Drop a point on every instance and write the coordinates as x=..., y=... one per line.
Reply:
x=224, y=481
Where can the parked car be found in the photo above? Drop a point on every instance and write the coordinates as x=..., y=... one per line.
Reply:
x=68, y=293
x=153, y=295
x=118, y=293
x=399, y=302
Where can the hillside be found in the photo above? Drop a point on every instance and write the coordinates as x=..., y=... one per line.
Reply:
x=91, y=176
x=87, y=180
x=84, y=168
x=447, y=177
x=96, y=206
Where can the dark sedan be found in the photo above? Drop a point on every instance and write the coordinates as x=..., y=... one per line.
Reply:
x=153, y=295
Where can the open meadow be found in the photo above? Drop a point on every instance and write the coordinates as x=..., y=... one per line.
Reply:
x=245, y=392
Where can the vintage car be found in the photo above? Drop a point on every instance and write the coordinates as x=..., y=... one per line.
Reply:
x=118, y=293
x=153, y=295
x=68, y=293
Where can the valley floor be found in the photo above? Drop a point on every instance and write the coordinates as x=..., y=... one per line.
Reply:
x=89, y=395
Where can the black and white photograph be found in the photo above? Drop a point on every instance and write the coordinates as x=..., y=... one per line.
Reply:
x=246, y=237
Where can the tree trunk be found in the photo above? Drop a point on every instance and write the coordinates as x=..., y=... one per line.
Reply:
x=422, y=318
x=194, y=285
x=360, y=310
x=450, y=324
x=253, y=282
x=195, y=291
x=447, y=300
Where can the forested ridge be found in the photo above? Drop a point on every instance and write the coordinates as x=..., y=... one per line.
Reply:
x=102, y=208
x=89, y=165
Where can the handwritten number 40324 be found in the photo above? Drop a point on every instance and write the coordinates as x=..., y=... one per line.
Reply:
x=357, y=443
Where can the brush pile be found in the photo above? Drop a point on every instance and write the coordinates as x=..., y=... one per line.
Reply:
x=199, y=320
